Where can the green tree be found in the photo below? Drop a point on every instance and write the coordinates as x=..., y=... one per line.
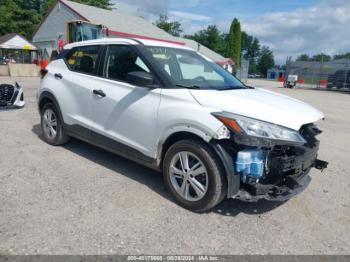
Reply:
x=266, y=60
x=250, y=49
x=233, y=47
x=18, y=16
x=303, y=57
x=105, y=4
x=321, y=57
x=341, y=56
x=173, y=28
x=210, y=37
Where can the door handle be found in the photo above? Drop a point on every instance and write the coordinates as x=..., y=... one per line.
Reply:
x=58, y=76
x=99, y=93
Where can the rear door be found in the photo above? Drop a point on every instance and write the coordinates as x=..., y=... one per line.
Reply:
x=126, y=113
x=79, y=80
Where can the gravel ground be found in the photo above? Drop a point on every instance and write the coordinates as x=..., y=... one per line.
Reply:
x=79, y=199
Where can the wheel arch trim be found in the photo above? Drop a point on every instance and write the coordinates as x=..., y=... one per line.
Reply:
x=52, y=98
x=179, y=131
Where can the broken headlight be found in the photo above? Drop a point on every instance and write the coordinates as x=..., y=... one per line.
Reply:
x=256, y=128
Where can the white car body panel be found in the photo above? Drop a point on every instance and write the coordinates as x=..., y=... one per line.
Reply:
x=73, y=93
x=18, y=102
x=260, y=104
x=128, y=114
x=180, y=112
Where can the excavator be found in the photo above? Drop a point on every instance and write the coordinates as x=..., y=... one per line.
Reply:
x=81, y=31
x=77, y=31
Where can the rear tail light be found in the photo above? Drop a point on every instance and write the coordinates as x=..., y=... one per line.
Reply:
x=43, y=72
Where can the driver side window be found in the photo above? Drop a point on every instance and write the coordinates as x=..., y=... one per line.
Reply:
x=121, y=60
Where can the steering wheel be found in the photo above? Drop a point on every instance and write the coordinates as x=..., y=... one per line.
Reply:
x=200, y=79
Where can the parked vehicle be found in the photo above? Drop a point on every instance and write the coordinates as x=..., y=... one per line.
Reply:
x=170, y=108
x=291, y=81
x=340, y=79
x=254, y=76
x=11, y=96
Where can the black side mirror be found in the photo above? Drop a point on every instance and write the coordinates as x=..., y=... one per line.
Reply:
x=139, y=78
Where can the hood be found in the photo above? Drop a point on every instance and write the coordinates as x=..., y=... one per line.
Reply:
x=260, y=104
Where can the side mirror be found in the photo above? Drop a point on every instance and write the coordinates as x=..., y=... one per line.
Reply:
x=139, y=78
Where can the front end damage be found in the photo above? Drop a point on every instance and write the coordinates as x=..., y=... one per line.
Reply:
x=260, y=168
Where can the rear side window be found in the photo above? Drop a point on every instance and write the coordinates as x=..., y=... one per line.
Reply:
x=84, y=59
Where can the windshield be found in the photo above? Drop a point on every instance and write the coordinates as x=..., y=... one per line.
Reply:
x=188, y=69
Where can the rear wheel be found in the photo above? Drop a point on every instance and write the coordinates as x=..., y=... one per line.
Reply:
x=194, y=175
x=52, y=126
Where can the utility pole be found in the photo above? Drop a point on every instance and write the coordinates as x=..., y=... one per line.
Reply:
x=321, y=72
x=346, y=71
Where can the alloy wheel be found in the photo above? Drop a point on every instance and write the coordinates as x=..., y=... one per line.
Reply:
x=50, y=123
x=188, y=176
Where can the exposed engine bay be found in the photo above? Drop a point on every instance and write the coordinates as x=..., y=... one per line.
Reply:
x=274, y=170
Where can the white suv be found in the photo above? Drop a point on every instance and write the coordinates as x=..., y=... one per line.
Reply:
x=170, y=108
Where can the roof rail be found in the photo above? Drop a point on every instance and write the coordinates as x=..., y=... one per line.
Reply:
x=136, y=40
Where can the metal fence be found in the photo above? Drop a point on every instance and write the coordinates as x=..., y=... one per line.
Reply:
x=332, y=75
x=242, y=71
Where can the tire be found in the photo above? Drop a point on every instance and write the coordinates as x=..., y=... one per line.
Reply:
x=213, y=181
x=58, y=137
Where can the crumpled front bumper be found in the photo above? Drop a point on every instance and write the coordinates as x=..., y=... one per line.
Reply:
x=289, y=176
x=276, y=193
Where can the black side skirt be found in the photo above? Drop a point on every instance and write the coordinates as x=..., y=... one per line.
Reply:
x=110, y=145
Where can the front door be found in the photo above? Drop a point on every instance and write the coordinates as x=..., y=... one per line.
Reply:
x=123, y=112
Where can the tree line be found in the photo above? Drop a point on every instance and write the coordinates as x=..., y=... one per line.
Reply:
x=322, y=57
x=235, y=44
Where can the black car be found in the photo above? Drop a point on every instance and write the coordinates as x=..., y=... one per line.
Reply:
x=340, y=79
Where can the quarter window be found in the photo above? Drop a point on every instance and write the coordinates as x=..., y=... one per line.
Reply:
x=84, y=59
x=122, y=60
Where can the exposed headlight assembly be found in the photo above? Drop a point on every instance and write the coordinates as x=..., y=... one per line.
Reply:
x=256, y=128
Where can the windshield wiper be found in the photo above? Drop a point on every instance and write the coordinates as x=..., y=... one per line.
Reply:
x=188, y=87
x=233, y=88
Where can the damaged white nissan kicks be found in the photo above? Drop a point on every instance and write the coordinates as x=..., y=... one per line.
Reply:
x=168, y=107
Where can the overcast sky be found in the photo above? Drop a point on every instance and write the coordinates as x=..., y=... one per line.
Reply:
x=288, y=27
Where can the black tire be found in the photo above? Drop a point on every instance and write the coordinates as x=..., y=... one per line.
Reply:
x=217, y=182
x=60, y=138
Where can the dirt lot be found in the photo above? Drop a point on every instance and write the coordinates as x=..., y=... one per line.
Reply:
x=79, y=199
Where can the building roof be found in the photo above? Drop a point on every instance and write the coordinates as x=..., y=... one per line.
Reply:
x=15, y=41
x=121, y=24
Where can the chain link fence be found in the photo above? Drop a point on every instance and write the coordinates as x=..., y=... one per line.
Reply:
x=328, y=75
x=242, y=71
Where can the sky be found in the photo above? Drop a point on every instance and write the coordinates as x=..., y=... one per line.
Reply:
x=288, y=27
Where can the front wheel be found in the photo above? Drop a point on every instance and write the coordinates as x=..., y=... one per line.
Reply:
x=194, y=175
